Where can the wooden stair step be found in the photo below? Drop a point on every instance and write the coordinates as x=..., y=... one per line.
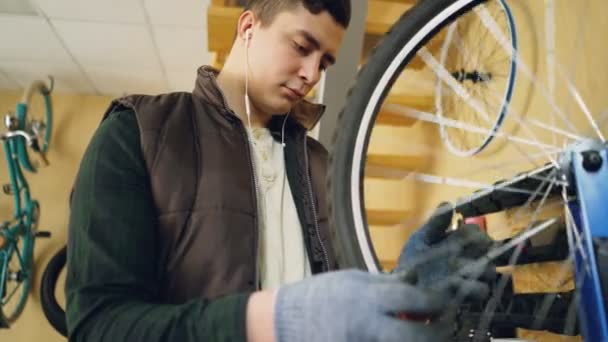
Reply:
x=392, y=118
x=395, y=151
x=422, y=102
x=413, y=89
x=387, y=193
x=434, y=47
x=397, y=162
x=388, y=242
x=386, y=217
x=370, y=41
x=381, y=15
x=384, y=201
x=221, y=27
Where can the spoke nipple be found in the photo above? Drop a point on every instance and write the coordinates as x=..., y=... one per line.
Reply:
x=592, y=160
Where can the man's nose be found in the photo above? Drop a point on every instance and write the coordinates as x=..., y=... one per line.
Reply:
x=310, y=71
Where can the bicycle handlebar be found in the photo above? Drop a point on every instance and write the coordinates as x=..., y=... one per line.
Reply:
x=18, y=133
x=31, y=139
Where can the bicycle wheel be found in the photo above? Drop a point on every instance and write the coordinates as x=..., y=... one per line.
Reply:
x=53, y=311
x=15, y=277
x=530, y=202
x=478, y=67
x=34, y=123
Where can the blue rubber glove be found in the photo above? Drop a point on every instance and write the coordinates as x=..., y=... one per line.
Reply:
x=434, y=257
x=353, y=305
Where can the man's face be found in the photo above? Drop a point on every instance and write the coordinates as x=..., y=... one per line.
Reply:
x=286, y=58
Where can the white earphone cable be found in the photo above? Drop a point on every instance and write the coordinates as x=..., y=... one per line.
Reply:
x=247, y=104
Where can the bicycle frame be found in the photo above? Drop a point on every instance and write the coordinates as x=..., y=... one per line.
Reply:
x=590, y=215
x=24, y=219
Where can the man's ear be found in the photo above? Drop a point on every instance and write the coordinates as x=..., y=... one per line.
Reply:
x=245, y=25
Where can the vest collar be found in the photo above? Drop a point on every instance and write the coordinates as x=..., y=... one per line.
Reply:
x=306, y=113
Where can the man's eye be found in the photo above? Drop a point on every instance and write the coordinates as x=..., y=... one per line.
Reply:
x=301, y=49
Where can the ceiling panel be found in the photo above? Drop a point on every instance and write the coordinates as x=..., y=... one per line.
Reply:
x=104, y=47
x=182, y=49
x=28, y=38
x=117, y=81
x=68, y=78
x=110, y=11
x=99, y=44
x=182, y=80
x=191, y=13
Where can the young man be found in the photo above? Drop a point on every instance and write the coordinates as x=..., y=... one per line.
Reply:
x=202, y=217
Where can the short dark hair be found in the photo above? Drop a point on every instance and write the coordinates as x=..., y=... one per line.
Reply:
x=266, y=10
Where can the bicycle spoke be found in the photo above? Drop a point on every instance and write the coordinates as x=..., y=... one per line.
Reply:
x=475, y=269
x=528, y=203
x=538, y=124
x=501, y=61
x=576, y=243
x=499, y=289
x=503, y=41
x=459, y=42
x=555, y=130
x=504, y=169
x=447, y=78
x=12, y=293
x=565, y=268
x=572, y=315
x=578, y=44
x=549, y=299
x=504, y=165
x=579, y=100
x=428, y=117
x=464, y=183
x=550, y=48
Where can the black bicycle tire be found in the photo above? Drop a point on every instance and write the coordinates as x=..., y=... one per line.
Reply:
x=345, y=243
x=53, y=312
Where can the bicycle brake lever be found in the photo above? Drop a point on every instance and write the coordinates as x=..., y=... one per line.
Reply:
x=34, y=145
x=43, y=157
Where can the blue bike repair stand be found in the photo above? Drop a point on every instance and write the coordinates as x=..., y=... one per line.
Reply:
x=587, y=171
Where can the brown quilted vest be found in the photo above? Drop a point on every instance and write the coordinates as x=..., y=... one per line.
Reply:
x=199, y=162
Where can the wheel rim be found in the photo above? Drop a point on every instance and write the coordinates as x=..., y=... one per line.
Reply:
x=488, y=73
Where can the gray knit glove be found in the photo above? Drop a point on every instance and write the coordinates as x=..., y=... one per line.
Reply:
x=439, y=259
x=353, y=305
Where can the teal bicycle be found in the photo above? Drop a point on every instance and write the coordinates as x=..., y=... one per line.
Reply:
x=25, y=134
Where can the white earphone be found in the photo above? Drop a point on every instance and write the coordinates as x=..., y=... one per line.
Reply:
x=248, y=35
x=247, y=104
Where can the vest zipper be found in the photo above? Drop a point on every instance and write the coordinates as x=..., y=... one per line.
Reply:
x=257, y=193
x=255, y=185
x=314, y=208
